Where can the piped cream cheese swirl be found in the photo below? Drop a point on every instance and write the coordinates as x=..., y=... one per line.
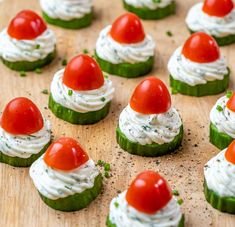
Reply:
x=110, y=50
x=197, y=20
x=66, y=9
x=193, y=73
x=124, y=215
x=55, y=184
x=23, y=146
x=148, y=129
x=150, y=4
x=220, y=175
x=14, y=50
x=81, y=101
x=224, y=120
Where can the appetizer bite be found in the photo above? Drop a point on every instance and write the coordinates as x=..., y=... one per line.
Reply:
x=216, y=18
x=149, y=126
x=79, y=93
x=69, y=14
x=219, y=180
x=65, y=177
x=150, y=9
x=222, y=117
x=124, y=49
x=24, y=134
x=27, y=44
x=147, y=202
x=197, y=68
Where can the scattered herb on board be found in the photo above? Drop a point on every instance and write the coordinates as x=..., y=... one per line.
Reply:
x=64, y=62
x=180, y=201
x=229, y=94
x=169, y=33
x=85, y=51
x=116, y=204
x=70, y=92
x=219, y=108
x=38, y=71
x=106, y=167
x=100, y=163
x=175, y=192
x=37, y=46
x=45, y=92
x=106, y=174
x=23, y=74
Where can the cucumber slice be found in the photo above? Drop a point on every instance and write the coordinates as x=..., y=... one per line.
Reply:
x=148, y=14
x=29, y=66
x=148, y=150
x=219, y=139
x=223, y=204
x=77, y=201
x=22, y=162
x=222, y=41
x=110, y=224
x=210, y=88
x=126, y=69
x=76, y=117
x=71, y=24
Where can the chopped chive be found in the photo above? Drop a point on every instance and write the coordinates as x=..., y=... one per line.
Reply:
x=70, y=92
x=22, y=74
x=38, y=71
x=175, y=192
x=100, y=163
x=106, y=166
x=64, y=62
x=116, y=204
x=102, y=99
x=106, y=174
x=180, y=201
x=37, y=46
x=85, y=51
x=169, y=33
x=229, y=94
x=45, y=92
x=106, y=76
x=219, y=108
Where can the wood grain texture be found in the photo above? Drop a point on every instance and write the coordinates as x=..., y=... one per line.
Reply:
x=20, y=204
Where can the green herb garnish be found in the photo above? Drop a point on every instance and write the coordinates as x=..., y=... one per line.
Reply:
x=156, y=1
x=169, y=33
x=106, y=76
x=219, y=108
x=180, y=201
x=45, y=92
x=229, y=94
x=102, y=99
x=100, y=163
x=106, y=174
x=64, y=62
x=23, y=74
x=70, y=92
x=116, y=204
x=85, y=51
x=106, y=166
x=38, y=71
x=175, y=192
x=37, y=46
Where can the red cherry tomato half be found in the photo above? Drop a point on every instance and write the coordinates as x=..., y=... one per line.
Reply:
x=201, y=48
x=21, y=117
x=127, y=29
x=218, y=8
x=151, y=96
x=149, y=192
x=65, y=154
x=231, y=103
x=26, y=25
x=230, y=153
x=83, y=73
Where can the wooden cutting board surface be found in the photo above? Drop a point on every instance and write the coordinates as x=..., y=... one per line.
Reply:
x=20, y=204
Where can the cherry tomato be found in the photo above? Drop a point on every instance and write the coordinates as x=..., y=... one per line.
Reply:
x=201, y=48
x=149, y=192
x=230, y=153
x=127, y=29
x=218, y=8
x=26, y=25
x=151, y=96
x=65, y=154
x=231, y=103
x=21, y=117
x=83, y=73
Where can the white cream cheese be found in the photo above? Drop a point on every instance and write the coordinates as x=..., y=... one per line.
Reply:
x=194, y=73
x=147, y=129
x=55, y=184
x=24, y=146
x=122, y=214
x=14, y=50
x=224, y=120
x=110, y=50
x=150, y=4
x=81, y=101
x=66, y=9
x=220, y=175
x=197, y=20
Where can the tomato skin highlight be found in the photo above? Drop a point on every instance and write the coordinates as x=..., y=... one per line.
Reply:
x=201, y=48
x=151, y=96
x=21, y=117
x=83, y=73
x=26, y=25
x=149, y=192
x=231, y=103
x=218, y=8
x=230, y=153
x=65, y=154
x=127, y=29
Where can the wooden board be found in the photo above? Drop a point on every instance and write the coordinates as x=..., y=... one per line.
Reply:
x=20, y=204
